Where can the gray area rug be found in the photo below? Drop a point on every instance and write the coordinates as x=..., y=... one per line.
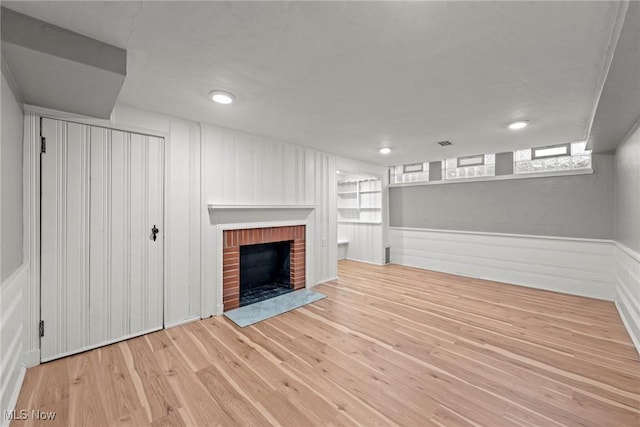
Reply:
x=250, y=314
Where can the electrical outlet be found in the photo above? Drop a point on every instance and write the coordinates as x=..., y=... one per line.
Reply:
x=324, y=242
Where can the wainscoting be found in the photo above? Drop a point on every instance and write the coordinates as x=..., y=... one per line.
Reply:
x=365, y=241
x=582, y=267
x=12, y=337
x=628, y=290
x=602, y=269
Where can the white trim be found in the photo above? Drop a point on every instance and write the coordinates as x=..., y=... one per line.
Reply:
x=102, y=344
x=323, y=281
x=14, y=396
x=267, y=224
x=518, y=236
x=31, y=165
x=92, y=121
x=181, y=322
x=627, y=325
x=364, y=262
x=499, y=177
x=626, y=249
x=64, y=115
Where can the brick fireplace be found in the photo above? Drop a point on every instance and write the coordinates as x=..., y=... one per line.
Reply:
x=234, y=239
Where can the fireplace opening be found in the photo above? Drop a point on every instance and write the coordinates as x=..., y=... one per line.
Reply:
x=265, y=271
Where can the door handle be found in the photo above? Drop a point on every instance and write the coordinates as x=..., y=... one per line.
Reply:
x=154, y=232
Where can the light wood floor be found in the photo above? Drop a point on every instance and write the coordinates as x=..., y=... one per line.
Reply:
x=389, y=346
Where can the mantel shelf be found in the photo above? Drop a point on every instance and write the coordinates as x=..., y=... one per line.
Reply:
x=214, y=207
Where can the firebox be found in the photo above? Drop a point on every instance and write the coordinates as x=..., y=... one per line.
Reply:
x=264, y=271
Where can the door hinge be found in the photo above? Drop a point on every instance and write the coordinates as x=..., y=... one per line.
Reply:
x=41, y=328
x=43, y=144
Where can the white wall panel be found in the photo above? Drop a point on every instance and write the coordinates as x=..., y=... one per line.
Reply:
x=243, y=169
x=628, y=290
x=365, y=241
x=12, y=338
x=183, y=208
x=574, y=266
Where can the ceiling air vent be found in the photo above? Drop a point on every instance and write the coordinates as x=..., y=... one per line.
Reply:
x=444, y=143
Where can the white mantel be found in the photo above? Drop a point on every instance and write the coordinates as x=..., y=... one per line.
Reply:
x=226, y=214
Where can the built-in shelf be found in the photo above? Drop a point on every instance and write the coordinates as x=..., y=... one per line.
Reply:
x=360, y=201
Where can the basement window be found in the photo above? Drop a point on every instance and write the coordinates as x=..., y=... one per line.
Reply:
x=412, y=172
x=477, y=160
x=554, y=158
x=477, y=166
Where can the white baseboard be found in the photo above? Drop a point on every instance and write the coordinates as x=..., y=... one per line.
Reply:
x=13, y=400
x=32, y=358
x=583, y=267
x=102, y=344
x=628, y=290
x=365, y=262
x=181, y=322
x=323, y=281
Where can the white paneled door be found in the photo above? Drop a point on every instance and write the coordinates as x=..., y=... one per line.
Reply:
x=102, y=244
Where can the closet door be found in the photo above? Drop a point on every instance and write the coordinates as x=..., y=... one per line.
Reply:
x=102, y=269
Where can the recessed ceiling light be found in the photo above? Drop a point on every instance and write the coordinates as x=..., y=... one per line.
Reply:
x=385, y=150
x=338, y=172
x=518, y=125
x=221, y=96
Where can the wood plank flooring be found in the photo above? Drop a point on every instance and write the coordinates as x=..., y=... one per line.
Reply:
x=391, y=345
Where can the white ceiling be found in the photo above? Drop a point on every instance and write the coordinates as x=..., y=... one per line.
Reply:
x=350, y=77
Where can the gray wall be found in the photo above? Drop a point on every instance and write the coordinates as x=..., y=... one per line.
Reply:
x=566, y=206
x=11, y=210
x=627, y=190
